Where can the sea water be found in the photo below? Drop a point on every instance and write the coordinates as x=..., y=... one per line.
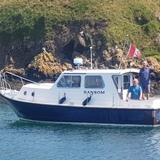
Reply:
x=21, y=140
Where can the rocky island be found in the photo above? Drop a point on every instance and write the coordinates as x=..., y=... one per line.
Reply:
x=39, y=39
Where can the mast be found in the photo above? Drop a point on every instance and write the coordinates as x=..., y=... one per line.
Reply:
x=124, y=46
x=91, y=56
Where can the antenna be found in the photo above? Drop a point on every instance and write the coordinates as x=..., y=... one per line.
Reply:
x=124, y=46
x=91, y=56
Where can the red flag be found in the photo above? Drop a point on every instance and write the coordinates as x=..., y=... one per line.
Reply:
x=133, y=51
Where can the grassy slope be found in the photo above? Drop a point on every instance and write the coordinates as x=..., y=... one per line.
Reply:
x=34, y=19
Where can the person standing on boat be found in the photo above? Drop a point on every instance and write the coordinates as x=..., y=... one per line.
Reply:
x=144, y=77
x=135, y=90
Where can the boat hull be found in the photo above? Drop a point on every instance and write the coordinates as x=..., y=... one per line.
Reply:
x=60, y=113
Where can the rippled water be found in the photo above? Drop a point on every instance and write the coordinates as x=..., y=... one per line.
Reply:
x=34, y=141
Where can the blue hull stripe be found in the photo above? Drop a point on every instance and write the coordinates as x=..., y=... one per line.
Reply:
x=55, y=113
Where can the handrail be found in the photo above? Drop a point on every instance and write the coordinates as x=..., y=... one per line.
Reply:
x=22, y=78
x=5, y=85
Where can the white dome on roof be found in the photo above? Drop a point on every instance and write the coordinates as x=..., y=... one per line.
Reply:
x=78, y=61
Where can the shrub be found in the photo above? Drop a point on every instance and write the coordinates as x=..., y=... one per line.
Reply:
x=157, y=57
x=151, y=28
x=142, y=14
x=152, y=53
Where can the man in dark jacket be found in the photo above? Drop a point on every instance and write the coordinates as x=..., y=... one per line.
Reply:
x=144, y=76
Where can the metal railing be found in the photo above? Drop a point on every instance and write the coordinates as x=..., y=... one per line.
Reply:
x=5, y=85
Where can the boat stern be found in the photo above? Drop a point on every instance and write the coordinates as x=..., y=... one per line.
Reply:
x=156, y=117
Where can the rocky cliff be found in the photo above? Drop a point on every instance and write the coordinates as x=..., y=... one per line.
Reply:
x=39, y=40
x=46, y=59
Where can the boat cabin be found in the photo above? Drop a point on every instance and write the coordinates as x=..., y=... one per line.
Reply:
x=98, y=81
x=82, y=87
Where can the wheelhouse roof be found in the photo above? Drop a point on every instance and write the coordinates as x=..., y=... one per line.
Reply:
x=102, y=71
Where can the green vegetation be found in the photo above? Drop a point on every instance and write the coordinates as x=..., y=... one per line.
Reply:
x=151, y=28
x=35, y=19
x=153, y=53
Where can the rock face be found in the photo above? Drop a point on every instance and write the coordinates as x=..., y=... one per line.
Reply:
x=46, y=59
x=45, y=66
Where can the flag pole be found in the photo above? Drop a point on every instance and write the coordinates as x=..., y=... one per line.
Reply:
x=124, y=46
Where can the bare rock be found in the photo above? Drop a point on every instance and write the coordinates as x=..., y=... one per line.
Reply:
x=45, y=65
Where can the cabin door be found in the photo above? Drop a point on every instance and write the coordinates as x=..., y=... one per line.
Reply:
x=118, y=83
x=126, y=83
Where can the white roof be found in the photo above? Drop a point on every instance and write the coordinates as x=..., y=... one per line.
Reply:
x=97, y=71
x=39, y=85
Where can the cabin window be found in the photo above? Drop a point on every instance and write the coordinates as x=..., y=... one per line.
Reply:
x=76, y=81
x=94, y=82
x=69, y=82
x=126, y=81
